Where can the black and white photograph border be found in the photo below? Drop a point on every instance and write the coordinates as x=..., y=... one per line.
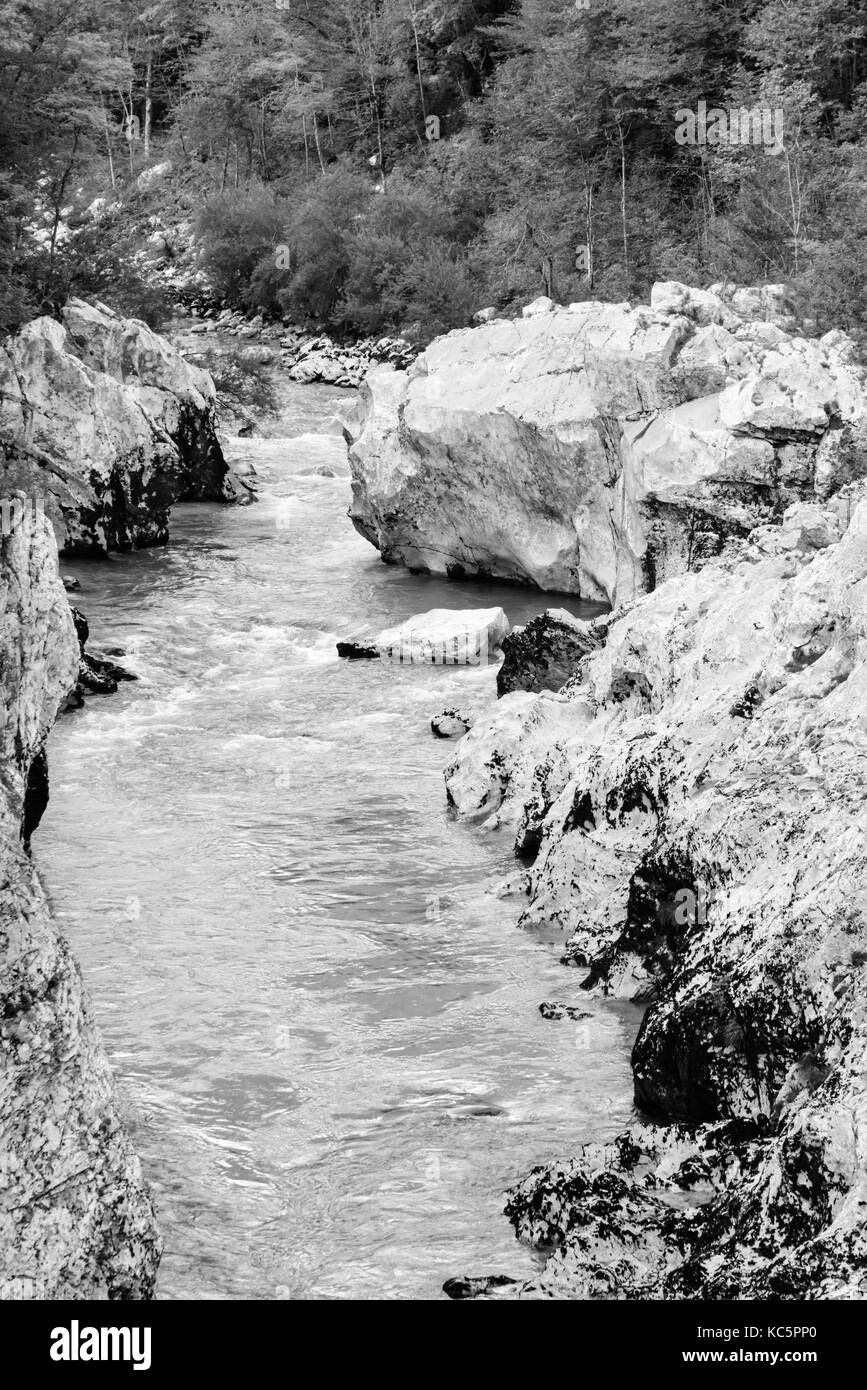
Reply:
x=433, y=648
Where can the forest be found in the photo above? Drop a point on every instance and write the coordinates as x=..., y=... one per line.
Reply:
x=378, y=165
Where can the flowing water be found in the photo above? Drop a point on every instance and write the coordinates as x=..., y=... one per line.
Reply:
x=324, y=1025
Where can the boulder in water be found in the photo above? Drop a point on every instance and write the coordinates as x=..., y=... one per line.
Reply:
x=547, y=652
x=452, y=723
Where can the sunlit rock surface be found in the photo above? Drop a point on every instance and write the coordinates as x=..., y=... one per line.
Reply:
x=104, y=425
x=600, y=448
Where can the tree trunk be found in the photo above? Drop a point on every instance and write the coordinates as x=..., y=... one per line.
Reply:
x=620, y=135
x=148, y=105
x=588, y=227
x=58, y=197
x=108, y=145
x=379, y=139
x=412, y=19
x=316, y=138
x=225, y=165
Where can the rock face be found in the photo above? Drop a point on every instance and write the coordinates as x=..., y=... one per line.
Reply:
x=598, y=449
x=691, y=806
x=105, y=426
x=76, y=1220
x=442, y=637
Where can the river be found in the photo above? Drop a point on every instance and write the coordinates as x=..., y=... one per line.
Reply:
x=323, y=1024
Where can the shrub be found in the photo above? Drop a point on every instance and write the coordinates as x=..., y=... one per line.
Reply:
x=242, y=383
x=318, y=236
x=235, y=231
x=405, y=266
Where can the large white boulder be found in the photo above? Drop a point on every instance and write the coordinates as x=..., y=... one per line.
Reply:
x=598, y=448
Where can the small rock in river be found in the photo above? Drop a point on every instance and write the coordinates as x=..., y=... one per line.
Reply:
x=451, y=724
x=357, y=651
x=548, y=1010
x=478, y=1288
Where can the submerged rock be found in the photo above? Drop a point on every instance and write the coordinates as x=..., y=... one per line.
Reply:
x=558, y=1011
x=357, y=651
x=104, y=426
x=691, y=810
x=599, y=449
x=76, y=1220
x=491, y=1285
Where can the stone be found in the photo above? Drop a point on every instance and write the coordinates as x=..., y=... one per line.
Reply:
x=542, y=305
x=547, y=652
x=452, y=723
x=357, y=651
x=106, y=426
x=149, y=178
x=598, y=449
x=558, y=1011
x=446, y=637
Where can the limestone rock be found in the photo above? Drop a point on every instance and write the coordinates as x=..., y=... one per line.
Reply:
x=600, y=448
x=452, y=723
x=445, y=637
x=105, y=426
x=691, y=808
x=76, y=1220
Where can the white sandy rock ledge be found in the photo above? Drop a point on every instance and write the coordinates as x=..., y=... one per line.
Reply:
x=691, y=809
x=600, y=448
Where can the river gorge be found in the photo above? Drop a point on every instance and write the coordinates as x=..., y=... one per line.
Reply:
x=323, y=1022
x=593, y=956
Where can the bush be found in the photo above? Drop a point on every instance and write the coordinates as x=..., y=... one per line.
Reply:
x=406, y=267
x=318, y=236
x=242, y=383
x=235, y=231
